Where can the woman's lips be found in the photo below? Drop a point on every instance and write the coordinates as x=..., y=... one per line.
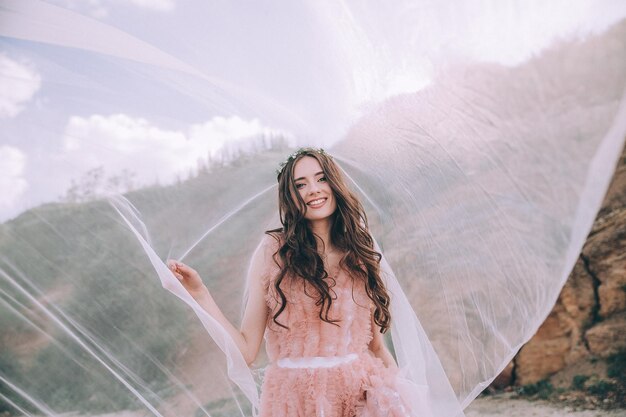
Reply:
x=317, y=205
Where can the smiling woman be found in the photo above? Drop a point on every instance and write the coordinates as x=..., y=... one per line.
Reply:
x=478, y=136
x=328, y=349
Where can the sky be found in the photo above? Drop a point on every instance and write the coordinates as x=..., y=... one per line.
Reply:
x=151, y=86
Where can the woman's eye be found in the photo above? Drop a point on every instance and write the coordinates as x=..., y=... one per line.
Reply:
x=302, y=184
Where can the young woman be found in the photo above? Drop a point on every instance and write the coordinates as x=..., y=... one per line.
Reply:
x=316, y=292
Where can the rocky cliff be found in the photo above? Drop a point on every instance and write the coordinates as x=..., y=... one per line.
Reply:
x=588, y=321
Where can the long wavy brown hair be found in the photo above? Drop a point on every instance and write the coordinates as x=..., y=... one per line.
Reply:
x=349, y=232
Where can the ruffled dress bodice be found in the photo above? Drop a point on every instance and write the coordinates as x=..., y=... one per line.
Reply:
x=321, y=369
x=310, y=336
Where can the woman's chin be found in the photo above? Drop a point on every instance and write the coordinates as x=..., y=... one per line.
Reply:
x=317, y=217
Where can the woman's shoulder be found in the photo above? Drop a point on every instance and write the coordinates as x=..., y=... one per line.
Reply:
x=273, y=239
x=271, y=242
x=267, y=258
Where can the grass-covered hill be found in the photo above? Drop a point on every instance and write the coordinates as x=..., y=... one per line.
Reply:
x=78, y=294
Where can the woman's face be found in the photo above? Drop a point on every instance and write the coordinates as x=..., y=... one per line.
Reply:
x=314, y=188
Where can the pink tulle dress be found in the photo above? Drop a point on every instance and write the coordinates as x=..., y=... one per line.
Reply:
x=318, y=369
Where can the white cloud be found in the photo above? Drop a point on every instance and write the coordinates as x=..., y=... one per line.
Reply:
x=219, y=132
x=119, y=142
x=18, y=84
x=12, y=183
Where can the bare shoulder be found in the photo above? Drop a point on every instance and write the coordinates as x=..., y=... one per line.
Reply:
x=273, y=240
x=262, y=261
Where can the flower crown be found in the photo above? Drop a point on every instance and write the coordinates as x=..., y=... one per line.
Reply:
x=294, y=155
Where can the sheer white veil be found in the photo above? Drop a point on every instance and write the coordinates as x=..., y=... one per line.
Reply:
x=480, y=137
x=423, y=382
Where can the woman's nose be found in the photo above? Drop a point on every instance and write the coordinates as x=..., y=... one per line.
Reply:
x=314, y=188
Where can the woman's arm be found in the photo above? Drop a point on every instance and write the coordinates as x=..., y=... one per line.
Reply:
x=248, y=339
x=378, y=347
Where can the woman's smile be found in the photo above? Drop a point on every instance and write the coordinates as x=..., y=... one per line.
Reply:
x=317, y=203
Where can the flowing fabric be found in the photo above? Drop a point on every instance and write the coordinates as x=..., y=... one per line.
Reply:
x=422, y=382
x=480, y=137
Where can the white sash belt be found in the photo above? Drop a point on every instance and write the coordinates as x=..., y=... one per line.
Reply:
x=316, y=361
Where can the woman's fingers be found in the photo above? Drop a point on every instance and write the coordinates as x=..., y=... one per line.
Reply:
x=173, y=266
x=185, y=274
x=184, y=269
x=179, y=269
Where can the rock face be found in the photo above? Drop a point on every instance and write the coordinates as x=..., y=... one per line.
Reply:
x=607, y=337
x=589, y=317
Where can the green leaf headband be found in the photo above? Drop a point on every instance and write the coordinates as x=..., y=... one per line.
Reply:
x=293, y=156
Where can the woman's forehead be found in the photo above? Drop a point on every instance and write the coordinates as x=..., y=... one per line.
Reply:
x=307, y=166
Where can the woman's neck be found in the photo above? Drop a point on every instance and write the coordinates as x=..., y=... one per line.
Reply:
x=321, y=231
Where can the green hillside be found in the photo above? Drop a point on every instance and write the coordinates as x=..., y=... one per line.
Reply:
x=76, y=281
